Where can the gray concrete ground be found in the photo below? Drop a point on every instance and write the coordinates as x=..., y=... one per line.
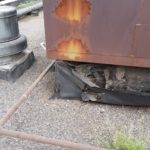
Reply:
x=63, y=119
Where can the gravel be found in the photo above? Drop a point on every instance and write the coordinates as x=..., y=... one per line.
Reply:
x=73, y=120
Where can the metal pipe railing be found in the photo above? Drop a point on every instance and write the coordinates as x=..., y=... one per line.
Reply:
x=45, y=140
x=29, y=9
x=37, y=138
x=23, y=98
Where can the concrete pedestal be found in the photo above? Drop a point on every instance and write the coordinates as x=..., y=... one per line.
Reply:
x=12, y=67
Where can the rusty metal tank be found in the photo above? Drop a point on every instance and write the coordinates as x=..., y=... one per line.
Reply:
x=109, y=31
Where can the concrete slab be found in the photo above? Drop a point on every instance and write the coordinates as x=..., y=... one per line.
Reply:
x=12, y=67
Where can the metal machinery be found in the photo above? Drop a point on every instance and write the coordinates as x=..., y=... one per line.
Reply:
x=112, y=32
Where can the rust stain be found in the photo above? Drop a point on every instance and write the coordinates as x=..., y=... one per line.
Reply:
x=73, y=10
x=72, y=48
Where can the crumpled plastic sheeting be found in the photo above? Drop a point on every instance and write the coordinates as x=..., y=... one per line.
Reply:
x=68, y=85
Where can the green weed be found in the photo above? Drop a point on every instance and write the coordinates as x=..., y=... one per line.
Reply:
x=124, y=142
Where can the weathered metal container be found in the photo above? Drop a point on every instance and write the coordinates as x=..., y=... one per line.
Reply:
x=8, y=24
x=111, y=31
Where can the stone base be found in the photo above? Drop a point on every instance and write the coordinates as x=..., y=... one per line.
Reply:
x=12, y=67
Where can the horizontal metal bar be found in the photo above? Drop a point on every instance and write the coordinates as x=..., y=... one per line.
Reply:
x=49, y=141
x=23, y=98
x=142, y=24
x=29, y=9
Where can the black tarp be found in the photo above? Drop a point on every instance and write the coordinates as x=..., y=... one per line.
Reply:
x=70, y=85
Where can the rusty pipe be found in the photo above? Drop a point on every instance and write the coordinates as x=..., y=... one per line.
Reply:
x=49, y=141
x=37, y=138
x=25, y=11
x=23, y=98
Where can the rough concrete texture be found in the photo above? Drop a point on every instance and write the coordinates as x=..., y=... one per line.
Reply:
x=12, y=67
x=63, y=119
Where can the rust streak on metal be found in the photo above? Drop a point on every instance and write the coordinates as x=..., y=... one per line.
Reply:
x=23, y=98
x=45, y=140
x=72, y=48
x=73, y=10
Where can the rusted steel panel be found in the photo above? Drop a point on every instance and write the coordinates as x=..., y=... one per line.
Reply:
x=142, y=41
x=114, y=32
x=110, y=26
x=145, y=12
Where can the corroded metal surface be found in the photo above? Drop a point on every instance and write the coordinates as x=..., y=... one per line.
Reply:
x=114, y=32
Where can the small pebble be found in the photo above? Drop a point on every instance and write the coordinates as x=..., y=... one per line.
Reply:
x=102, y=110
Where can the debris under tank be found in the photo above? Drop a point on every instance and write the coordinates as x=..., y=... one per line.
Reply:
x=107, y=84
